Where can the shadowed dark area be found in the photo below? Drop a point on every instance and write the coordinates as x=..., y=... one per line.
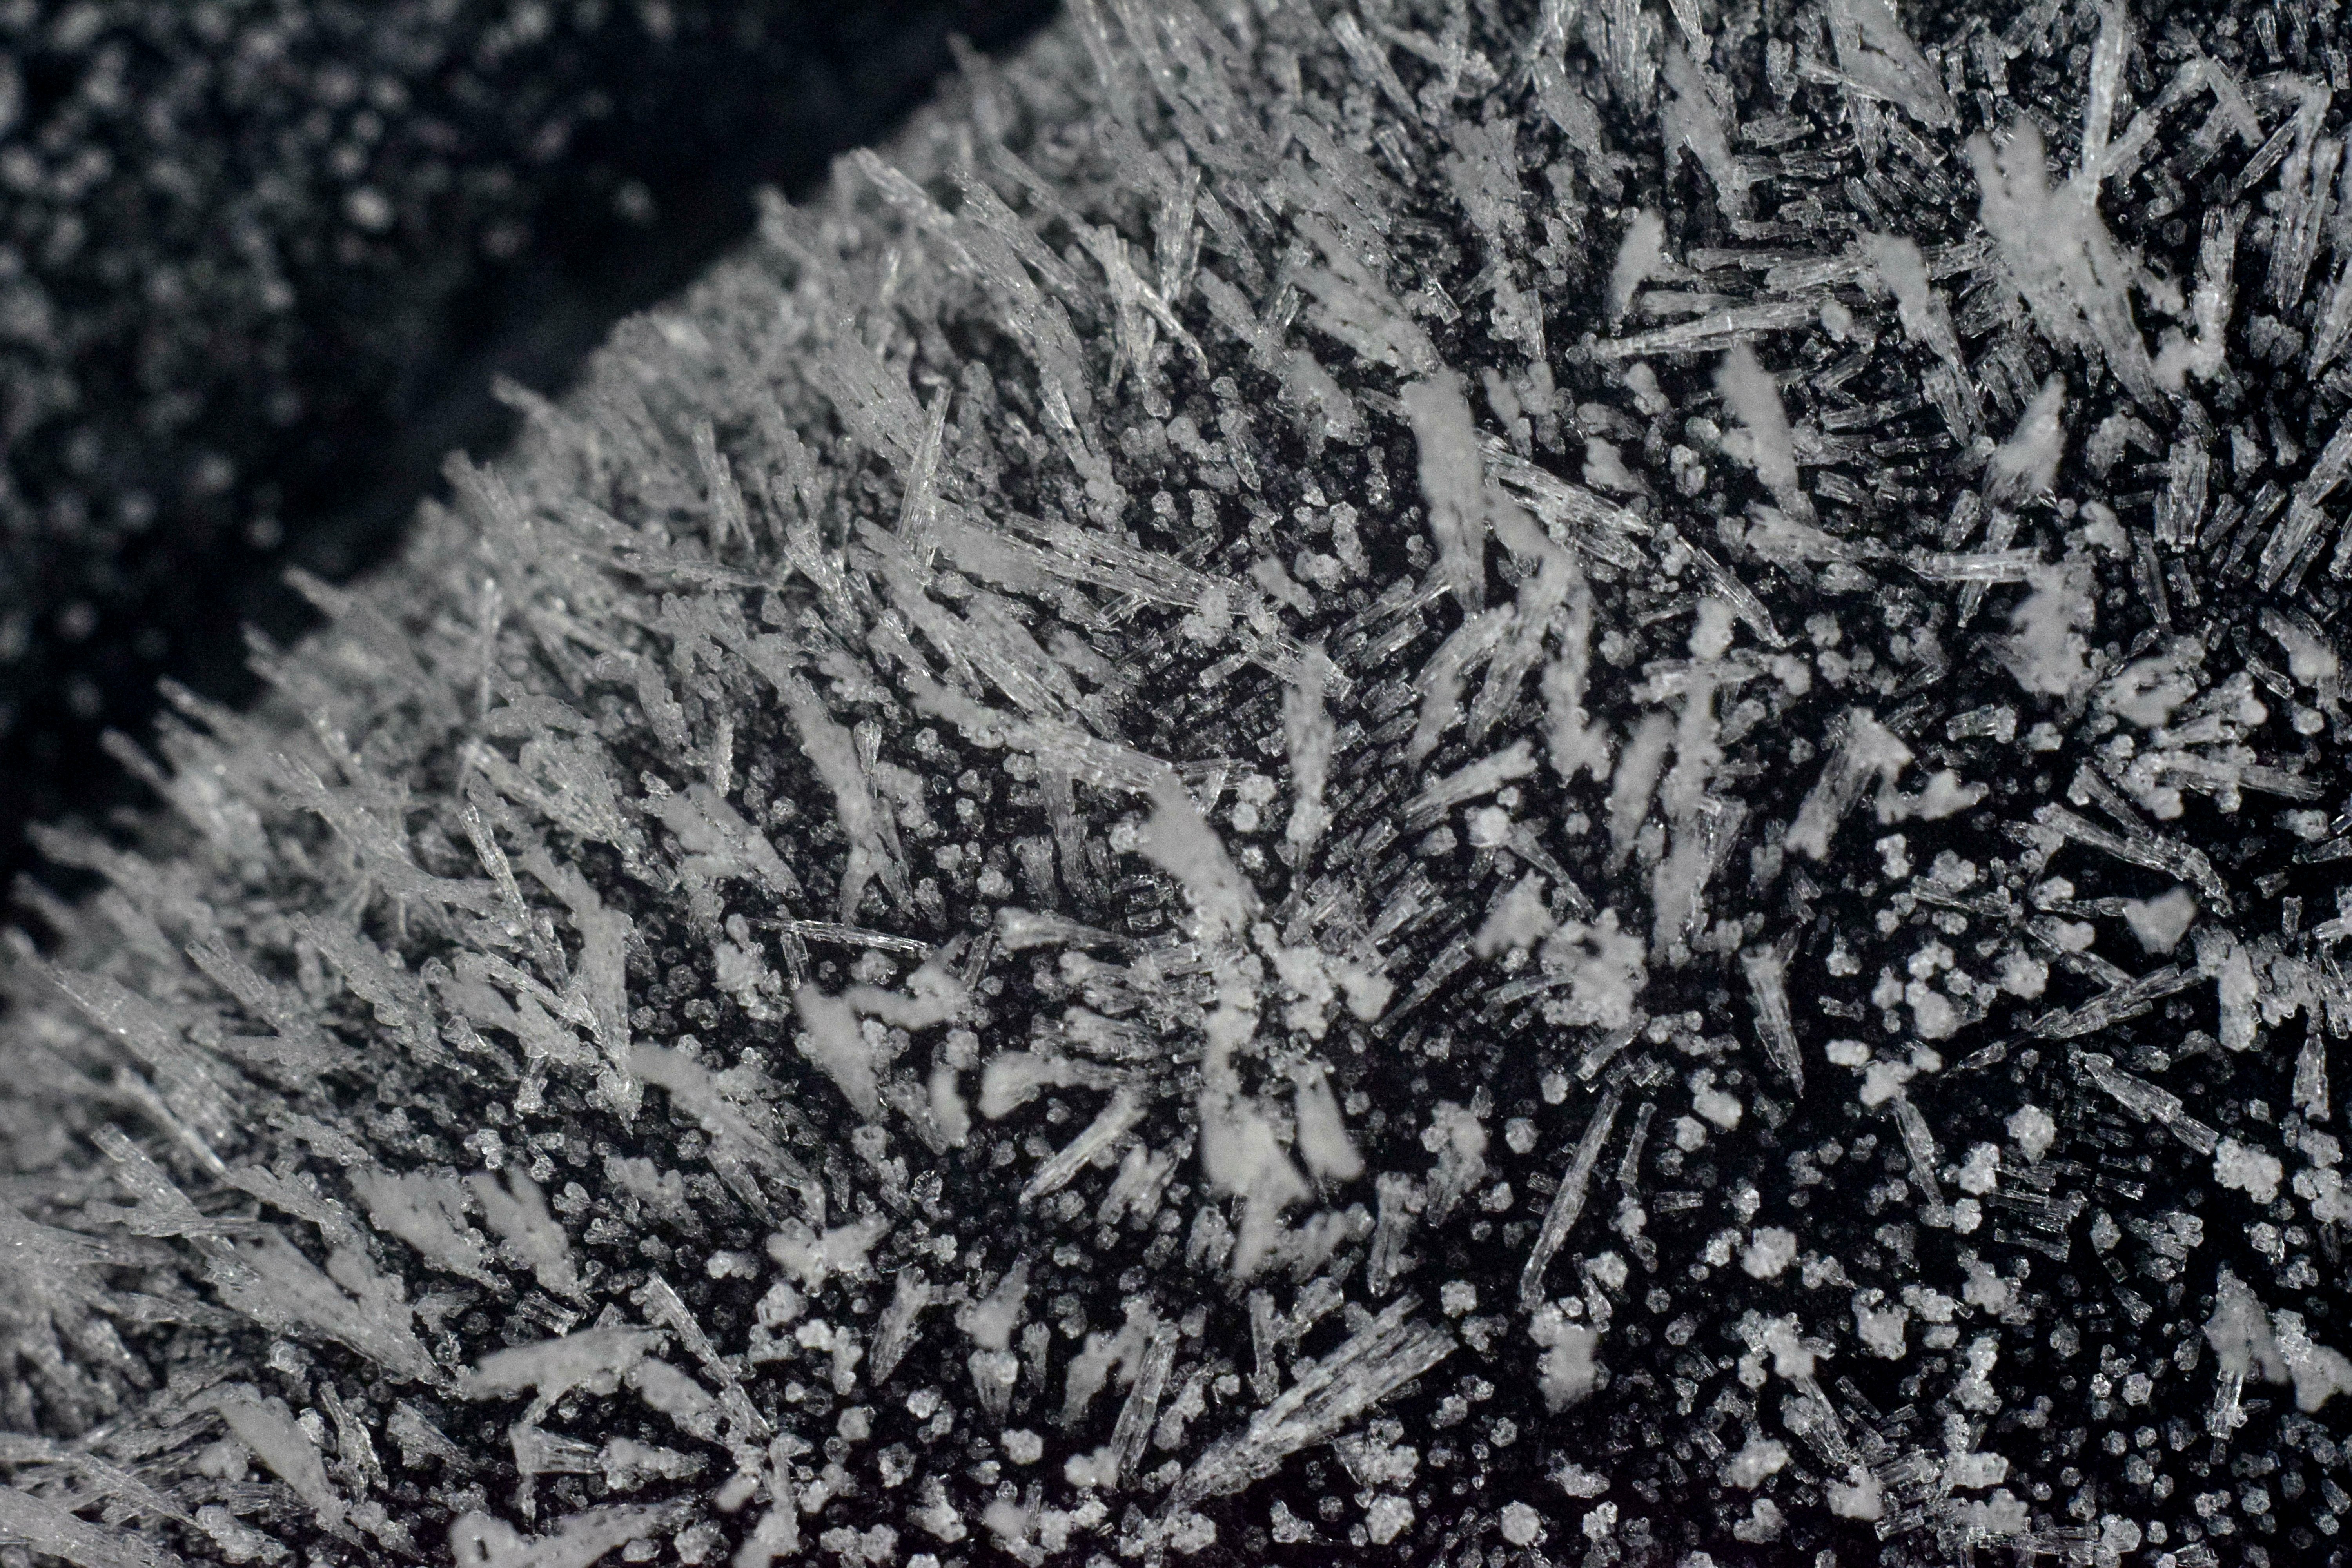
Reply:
x=175, y=438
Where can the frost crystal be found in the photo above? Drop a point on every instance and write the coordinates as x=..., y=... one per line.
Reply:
x=1275, y=668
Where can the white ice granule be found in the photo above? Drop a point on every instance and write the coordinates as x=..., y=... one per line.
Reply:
x=1769, y=1250
x=2047, y=652
x=1975, y=1470
x=2325, y=1190
x=1566, y=1368
x=1858, y=1497
x=1980, y=1172
x=2161, y=922
x=1986, y=1289
x=1388, y=1517
x=1323, y=1143
x=1638, y=255
x=2252, y=1171
x=1518, y=919
x=1880, y=1327
x=1759, y=1459
x=2023, y=976
x=1748, y=389
x=2032, y=1129
x=1521, y=1525
x=1715, y=1105
x=2319, y=1372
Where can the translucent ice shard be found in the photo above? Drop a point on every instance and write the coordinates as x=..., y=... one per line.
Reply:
x=2146, y=1101
x=1766, y=970
x=1568, y=1203
x=1389, y=1352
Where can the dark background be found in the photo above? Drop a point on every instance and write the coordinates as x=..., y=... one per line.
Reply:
x=260, y=261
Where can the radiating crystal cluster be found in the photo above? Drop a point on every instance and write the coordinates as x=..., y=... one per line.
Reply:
x=1443, y=782
x=256, y=255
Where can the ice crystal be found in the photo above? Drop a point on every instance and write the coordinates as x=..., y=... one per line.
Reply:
x=1281, y=795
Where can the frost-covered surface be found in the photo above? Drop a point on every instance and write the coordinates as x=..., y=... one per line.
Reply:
x=1287, y=799
x=260, y=258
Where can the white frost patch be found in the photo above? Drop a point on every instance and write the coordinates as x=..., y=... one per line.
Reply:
x=1716, y=1105
x=1323, y=1141
x=1309, y=737
x=1755, y=400
x=2145, y=692
x=1242, y=1158
x=811, y=1258
x=1882, y=1082
x=2248, y=1341
x=1986, y=1289
x=831, y=1036
x=1980, y=1172
x=1577, y=1482
x=2161, y=922
x=2311, y=658
x=2225, y=958
x=1606, y=970
x=1792, y=1357
x=484, y=1541
x=2031, y=1127
x=1759, y=1459
x=1858, y=1497
x=2318, y=1372
x=1605, y=469
x=1522, y=1526
x=268, y=1429
x=2024, y=466
x=1874, y=50
x=1638, y=255
x=989, y=1322
x=1880, y=1327
x=1180, y=843
x=1458, y=1138
x=1453, y=482
x=1566, y=1368
x=2047, y=650
x=1519, y=918
x=2254, y=1172
x=1769, y=1250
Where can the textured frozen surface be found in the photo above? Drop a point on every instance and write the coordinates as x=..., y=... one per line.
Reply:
x=1441, y=783
x=261, y=260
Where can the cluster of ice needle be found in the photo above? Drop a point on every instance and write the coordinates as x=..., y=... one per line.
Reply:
x=1428, y=782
